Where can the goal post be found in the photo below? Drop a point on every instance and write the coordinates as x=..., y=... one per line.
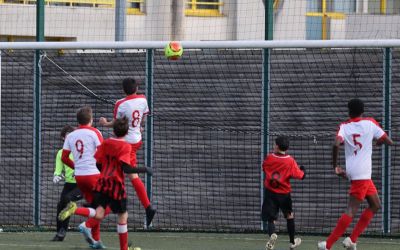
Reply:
x=204, y=135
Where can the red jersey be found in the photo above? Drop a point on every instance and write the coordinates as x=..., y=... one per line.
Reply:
x=111, y=154
x=279, y=169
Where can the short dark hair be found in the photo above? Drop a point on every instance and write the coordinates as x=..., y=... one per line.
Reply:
x=66, y=130
x=282, y=142
x=356, y=107
x=121, y=126
x=130, y=85
x=84, y=115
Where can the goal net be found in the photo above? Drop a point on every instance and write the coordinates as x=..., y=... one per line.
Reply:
x=207, y=135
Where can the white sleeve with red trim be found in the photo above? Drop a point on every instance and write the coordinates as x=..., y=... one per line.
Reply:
x=146, y=108
x=98, y=138
x=340, y=133
x=66, y=145
x=378, y=131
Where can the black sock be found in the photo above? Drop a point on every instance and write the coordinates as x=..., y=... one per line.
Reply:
x=290, y=228
x=271, y=228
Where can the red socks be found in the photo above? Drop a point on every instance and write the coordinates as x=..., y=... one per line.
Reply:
x=95, y=225
x=141, y=191
x=122, y=230
x=362, y=223
x=341, y=226
x=86, y=212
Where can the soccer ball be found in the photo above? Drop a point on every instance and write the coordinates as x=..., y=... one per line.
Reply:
x=173, y=50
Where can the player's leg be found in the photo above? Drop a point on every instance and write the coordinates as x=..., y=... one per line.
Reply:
x=122, y=229
x=285, y=203
x=73, y=195
x=119, y=206
x=366, y=216
x=86, y=184
x=61, y=228
x=343, y=222
x=270, y=210
x=139, y=187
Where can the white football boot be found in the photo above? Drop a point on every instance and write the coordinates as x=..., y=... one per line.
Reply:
x=271, y=242
x=322, y=245
x=348, y=244
x=297, y=242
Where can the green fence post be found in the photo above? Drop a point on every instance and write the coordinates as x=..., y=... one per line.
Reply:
x=386, y=157
x=37, y=130
x=149, y=123
x=269, y=31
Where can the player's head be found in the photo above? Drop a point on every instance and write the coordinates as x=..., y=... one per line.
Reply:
x=121, y=126
x=130, y=86
x=65, y=131
x=84, y=116
x=282, y=143
x=356, y=107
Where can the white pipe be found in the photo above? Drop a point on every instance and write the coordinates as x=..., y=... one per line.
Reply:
x=247, y=44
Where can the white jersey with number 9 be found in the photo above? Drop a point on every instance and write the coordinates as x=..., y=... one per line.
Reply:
x=83, y=143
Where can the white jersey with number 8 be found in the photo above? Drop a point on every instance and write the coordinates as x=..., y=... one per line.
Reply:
x=133, y=107
x=83, y=143
x=357, y=135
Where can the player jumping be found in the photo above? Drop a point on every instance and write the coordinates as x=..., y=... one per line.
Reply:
x=357, y=135
x=279, y=168
x=133, y=106
x=113, y=158
x=82, y=143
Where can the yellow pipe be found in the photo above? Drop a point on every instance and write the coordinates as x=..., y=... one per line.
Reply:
x=383, y=7
x=324, y=21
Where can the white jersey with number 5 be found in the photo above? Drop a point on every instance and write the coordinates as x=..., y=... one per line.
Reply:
x=133, y=107
x=357, y=135
x=83, y=143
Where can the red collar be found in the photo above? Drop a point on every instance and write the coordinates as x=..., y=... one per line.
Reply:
x=84, y=126
x=356, y=119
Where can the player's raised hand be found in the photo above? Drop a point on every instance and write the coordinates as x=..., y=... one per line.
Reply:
x=103, y=121
x=340, y=172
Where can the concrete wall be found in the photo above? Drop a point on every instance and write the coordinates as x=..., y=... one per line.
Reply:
x=163, y=20
x=290, y=20
x=372, y=27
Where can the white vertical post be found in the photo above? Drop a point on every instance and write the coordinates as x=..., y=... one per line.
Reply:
x=0, y=103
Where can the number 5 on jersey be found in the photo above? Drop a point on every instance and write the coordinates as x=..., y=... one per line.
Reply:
x=356, y=143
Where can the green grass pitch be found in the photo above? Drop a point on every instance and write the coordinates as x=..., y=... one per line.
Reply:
x=177, y=241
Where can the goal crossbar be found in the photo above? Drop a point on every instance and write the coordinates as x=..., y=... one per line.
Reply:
x=248, y=44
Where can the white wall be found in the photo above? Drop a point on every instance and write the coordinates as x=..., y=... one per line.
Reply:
x=372, y=27
x=290, y=21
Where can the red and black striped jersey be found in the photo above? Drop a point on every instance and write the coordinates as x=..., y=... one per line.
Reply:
x=111, y=154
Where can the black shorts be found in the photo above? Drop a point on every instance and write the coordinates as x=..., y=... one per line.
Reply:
x=273, y=202
x=117, y=206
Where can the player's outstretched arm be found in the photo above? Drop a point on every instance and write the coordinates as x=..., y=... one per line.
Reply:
x=103, y=122
x=131, y=170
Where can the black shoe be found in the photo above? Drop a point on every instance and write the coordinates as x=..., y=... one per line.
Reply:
x=60, y=235
x=150, y=212
x=57, y=238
